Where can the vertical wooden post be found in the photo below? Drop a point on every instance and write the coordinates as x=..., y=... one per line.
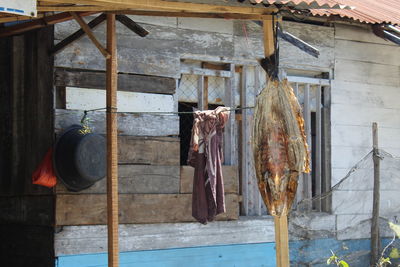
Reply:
x=375, y=239
x=281, y=226
x=282, y=241
x=112, y=161
x=307, y=186
x=230, y=149
x=318, y=152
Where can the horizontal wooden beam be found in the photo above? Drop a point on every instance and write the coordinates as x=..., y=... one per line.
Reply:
x=90, y=209
x=39, y=23
x=90, y=34
x=194, y=14
x=154, y=5
x=78, y=34
x=134, y=179
x=10, y=18
x=133, y=26
x=126, y=82
x=206, y=72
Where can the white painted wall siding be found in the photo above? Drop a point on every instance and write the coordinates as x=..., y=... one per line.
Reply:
x=365, y=89
x=86, y=99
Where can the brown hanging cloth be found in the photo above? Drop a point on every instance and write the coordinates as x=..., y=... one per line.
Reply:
x=206, y=156
x=279, y=146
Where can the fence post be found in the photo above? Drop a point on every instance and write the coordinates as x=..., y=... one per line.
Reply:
x=375, y=239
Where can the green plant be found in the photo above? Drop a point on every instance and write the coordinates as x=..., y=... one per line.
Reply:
x=334, y=259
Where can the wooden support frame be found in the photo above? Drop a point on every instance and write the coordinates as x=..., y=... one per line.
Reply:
x=40, y=23
x=78, y=34
x=133, y=26
x=112, y=146
x=155, y=5
x=90, y=34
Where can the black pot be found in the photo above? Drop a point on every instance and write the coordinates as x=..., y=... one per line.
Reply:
x=79, y=159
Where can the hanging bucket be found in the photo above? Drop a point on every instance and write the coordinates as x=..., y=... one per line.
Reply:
x=79, y=159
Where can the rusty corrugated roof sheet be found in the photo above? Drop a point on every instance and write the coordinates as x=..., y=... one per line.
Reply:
x=305, y=4
x=366, y=11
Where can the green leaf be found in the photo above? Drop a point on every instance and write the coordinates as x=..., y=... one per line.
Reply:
x=395, y=228
x=394, y=253
x=343, y=264
x=331, y=259
x=385, y=260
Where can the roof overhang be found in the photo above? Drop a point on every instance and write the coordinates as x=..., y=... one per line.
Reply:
x=251, y=9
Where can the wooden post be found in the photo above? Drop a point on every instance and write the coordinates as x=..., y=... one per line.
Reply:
x=112, y=161
x=281, y=224
x=375, y=238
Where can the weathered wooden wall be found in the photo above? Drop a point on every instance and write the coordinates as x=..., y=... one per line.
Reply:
x=366, y=85
x=26, y=133
x=153, y=189
x=366, y=82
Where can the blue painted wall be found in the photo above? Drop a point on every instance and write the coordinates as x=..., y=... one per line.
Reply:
x=302, y=253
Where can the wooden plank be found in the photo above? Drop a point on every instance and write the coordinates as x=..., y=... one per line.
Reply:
x=367, y=52
x=206, y=72
x=90, y=34
x=195, y=15
x=61, y=97
x=230, y=153
x=303, y=80
x=318, y=148
x=133, y=26
x=205, y=93
x=361, y=94
x=269, y=46
x=282, y=241
x=326, y=149
x=128, y=123
x=355, y=71
x=134, y=208
x=89, y=99
x=244, y=136
x=137, y=59
x=307, y=127
x=137, y=179
x=74, y=240
x=26, y=110
x=230, y=174
x=200, y=93
x=112, y=142
x=375, y=236
x=359, y=33
x=152, y=5
x=149, y=150
x=126, y=82
x=39, y=23
x=78, y=34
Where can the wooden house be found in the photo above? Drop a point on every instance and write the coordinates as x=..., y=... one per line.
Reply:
x=193, y=59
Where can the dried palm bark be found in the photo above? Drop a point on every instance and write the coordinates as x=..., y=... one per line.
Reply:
x=279, y=146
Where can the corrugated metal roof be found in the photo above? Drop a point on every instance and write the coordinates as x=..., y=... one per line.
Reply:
x=305, y=4
x=366, y=11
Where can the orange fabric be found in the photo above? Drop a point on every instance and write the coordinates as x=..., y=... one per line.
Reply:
x=44, y=173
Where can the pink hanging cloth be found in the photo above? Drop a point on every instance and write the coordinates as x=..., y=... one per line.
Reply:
x=206, y=156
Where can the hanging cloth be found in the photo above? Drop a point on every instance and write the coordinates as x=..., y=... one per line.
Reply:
x=206, y=156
